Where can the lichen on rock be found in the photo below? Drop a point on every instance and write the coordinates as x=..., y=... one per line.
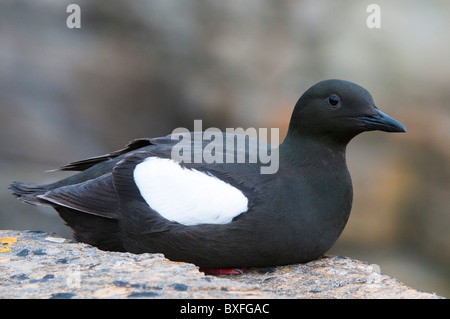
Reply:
x=40, y=265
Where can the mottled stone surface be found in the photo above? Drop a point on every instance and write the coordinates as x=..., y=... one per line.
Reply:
x=40, y=265
x=330, y=277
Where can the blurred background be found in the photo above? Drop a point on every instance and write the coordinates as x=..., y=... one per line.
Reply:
x=142, y=68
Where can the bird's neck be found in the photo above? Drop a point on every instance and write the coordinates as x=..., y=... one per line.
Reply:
x=321, y=166
x=303, y=151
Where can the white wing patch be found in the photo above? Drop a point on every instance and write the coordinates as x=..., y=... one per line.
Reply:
x=187, y=196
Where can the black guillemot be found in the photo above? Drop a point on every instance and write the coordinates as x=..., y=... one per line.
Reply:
x=221, y=215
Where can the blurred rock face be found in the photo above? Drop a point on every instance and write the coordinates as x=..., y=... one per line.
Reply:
x=143, y=68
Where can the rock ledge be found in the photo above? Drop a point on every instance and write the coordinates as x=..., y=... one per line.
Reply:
x=36, y=264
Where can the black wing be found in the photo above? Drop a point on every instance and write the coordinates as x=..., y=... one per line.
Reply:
x=89, y=162
x=96, y=197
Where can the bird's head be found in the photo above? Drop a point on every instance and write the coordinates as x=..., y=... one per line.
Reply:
x=339, y=110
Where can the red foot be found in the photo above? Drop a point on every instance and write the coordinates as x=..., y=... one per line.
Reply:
x=223, y=271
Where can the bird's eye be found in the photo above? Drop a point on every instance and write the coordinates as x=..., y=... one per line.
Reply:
x=333, y=100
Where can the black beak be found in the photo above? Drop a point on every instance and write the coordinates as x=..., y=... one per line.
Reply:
x=381, y=122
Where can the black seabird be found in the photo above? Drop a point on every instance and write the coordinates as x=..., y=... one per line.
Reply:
x=223, y=215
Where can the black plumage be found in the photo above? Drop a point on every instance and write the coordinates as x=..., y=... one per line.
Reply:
x=294, y=215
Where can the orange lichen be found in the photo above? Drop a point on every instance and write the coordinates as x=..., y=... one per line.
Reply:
x=6, y=243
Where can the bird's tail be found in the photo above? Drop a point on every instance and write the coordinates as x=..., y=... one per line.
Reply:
x=95, y=230
x=29, y=193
